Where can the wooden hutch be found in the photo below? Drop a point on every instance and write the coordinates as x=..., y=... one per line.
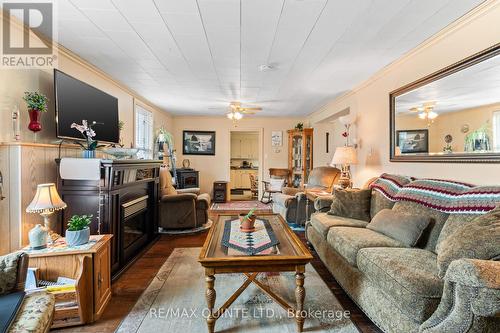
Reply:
x=300, y=155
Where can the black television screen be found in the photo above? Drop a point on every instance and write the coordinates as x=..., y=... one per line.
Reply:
x=77, y=101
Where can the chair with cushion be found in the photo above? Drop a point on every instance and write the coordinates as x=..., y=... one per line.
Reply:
x=277, y=181
x=181, y=209
x=37, y=308
x=291, y=203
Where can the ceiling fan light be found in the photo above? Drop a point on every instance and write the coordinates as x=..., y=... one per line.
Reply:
x=238, y=116
x=422, y=115
x=432, y=115
x=230, y=115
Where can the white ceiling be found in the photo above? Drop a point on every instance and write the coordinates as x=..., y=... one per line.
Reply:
x=192, y=57
x=474, y=86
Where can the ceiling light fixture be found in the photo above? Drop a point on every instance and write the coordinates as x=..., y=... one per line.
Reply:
x=426, y=112
x=234, y=115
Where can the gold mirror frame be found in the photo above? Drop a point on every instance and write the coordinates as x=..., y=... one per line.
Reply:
x=447, y=158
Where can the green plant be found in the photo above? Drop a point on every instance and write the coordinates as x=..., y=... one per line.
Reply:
x=299, y=126
x=79, y=222
x=250, y=213
x=36, y=101
x=121, y=125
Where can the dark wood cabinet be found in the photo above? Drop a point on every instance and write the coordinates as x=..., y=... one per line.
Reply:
x=220, y=191
x=124, y=202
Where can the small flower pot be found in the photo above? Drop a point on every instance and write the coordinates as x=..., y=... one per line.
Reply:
x=79, y=237
x=35, y=125
x=247, y=224
x=88, y=153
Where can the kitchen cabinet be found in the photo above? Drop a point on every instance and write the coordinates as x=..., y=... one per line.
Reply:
x=245, y=147
x=240, y=178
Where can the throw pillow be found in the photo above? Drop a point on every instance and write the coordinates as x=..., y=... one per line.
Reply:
x=354, y=204
x=478, y=239
x=406, y=228
x=276, y=184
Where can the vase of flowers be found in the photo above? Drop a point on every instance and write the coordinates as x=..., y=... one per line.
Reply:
x=37, y=103
x=88, y=134
x=78, y=231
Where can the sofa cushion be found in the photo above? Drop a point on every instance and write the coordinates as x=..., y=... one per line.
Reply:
x=452, y=224
x=430, y=236
x=35, y=314
x=347, y=241
x=351, y=203
x=8, y=271
x=322, y=222
x=379, y=202
x=478, y=239
x=403, y=227
x=408, y=276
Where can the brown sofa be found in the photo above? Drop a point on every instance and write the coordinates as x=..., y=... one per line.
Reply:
x=181, y=209
x=291, y=203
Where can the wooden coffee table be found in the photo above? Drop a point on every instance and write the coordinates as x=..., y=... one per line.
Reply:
x=293, y=256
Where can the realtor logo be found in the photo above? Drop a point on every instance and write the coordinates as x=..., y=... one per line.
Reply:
x=23, y=47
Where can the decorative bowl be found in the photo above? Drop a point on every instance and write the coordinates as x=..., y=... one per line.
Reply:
x=121, y=153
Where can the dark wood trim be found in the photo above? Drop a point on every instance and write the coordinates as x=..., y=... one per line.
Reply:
x=437, y=157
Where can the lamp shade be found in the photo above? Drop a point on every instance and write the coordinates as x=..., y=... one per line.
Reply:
x=345, y=155
x=46, y=200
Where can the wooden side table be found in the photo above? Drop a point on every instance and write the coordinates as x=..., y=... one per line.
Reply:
x=90, y=266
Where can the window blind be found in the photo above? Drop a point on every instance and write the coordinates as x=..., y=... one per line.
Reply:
x=143, y=129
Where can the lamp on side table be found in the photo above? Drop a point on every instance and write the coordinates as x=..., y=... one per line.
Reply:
x=345, y=156
x=45, y=203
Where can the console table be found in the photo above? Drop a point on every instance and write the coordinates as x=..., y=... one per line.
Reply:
x=124, y=203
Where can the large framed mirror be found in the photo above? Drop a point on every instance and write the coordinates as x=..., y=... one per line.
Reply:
x=452, y=115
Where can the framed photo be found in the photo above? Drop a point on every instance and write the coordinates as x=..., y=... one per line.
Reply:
x=198, y=142
x=413, y=141
x=277, y=138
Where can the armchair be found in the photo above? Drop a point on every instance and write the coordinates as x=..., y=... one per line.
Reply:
x=36, y=311
x=292, y=203
x=181, y=209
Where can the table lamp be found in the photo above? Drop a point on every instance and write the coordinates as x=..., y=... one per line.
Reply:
x=45, y=203
x=345, y=156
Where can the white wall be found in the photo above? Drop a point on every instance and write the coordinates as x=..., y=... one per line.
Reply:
x=473, y=33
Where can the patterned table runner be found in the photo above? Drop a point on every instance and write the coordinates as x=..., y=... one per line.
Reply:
x=261, y=241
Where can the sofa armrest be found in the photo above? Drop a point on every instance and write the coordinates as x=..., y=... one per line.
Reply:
x=283, y=200
x=178, y=197
x=323, y=203
x=291, y=190
x=194, y=190
x=203, y=201
x=13, y=269
x=470, y=300
x=475, y=273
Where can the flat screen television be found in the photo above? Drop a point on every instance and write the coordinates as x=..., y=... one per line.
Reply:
x=76, y=101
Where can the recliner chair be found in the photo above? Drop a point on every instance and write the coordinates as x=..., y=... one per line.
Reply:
x=291, y=203
x=183, y=208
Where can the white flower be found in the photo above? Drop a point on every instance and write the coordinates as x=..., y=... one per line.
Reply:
x=80, y=128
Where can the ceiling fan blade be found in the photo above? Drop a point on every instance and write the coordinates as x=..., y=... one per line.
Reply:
x=251, y=109
x=248, y=112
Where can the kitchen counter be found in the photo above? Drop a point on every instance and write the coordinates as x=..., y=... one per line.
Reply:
x=240, y=168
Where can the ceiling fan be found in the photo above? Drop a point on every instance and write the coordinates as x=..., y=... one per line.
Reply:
x=236, y=111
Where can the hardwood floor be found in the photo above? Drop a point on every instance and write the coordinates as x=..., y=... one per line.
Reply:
x=128, y=288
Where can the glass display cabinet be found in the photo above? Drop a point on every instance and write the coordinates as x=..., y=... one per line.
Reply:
x=300, y=155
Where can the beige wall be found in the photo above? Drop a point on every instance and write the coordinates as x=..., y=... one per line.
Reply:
x=370, y=101
x=216, y=167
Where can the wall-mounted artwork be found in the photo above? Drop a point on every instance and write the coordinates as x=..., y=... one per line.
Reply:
x=277, y=138
x=198, y=142
x=413, y=141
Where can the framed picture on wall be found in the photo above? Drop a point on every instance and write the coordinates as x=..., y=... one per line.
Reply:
x=198, y=142
x=413, y=141
x=277, y=138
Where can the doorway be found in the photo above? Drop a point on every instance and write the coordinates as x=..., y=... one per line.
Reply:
x=245, y=165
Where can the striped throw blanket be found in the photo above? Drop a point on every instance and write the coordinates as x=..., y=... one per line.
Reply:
x=450, y=196
x=390, y=185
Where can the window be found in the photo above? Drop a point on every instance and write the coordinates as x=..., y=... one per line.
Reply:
x=496, y=130
x=143, y=131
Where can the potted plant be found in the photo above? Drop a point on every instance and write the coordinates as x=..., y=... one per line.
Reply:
x=247, y=221
x=88, y=133
x=299, y=126
x=37, y=103
x=78, y=232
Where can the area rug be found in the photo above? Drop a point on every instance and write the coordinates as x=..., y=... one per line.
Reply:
x=175, y=302
x=201, y=228
x=241, y=205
